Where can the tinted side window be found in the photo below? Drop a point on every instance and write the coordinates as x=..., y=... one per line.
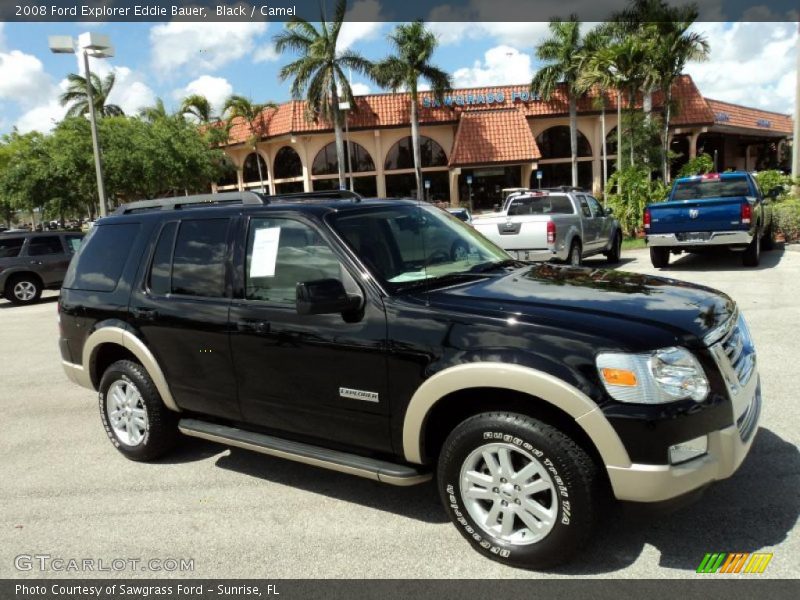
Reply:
x=584, y=207
x=73, y=242
x=41, y=246
x=198, y=265
x=101, y=257
x=281, y=253
x=158, y=281
x=596, y=208
x=10, y=247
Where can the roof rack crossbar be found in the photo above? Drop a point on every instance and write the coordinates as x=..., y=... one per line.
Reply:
x=175, y=202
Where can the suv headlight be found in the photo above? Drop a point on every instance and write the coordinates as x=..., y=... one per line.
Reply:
x=657, y=377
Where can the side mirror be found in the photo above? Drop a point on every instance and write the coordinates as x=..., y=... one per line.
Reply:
x=324, y=296
x=609, y=211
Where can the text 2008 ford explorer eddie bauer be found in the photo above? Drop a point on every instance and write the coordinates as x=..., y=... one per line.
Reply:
x=710, y=211
x=334, y=331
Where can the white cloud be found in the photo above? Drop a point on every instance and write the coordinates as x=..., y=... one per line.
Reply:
x=44, y=116
x=362, y=22
x=502, y=65
x=762, y=56
x=266, y=53
x=199, y=47
x=215, y=89
x=517, y=34
x=22, y=78
x=360, y=89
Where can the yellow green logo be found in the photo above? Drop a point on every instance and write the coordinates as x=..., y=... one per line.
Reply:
x=735, y=562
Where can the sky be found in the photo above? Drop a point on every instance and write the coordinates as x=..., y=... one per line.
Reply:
x=752, y=63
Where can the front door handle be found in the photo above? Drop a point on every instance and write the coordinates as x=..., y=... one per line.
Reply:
x=254, y=326
x=144, y=314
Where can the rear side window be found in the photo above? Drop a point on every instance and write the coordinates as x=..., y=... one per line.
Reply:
x=159, y=280
x=42, y=246
x=10, y=247
x=101, y=257
x=198, y=264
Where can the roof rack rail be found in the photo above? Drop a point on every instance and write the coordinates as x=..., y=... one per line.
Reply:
x=177, y=202
x=565, y=188
x=319, y=194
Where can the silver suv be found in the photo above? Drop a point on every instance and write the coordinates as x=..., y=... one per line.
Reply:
x=31, y=262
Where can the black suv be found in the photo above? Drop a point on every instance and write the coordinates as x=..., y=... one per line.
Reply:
x=389, y=340
x=31, y=262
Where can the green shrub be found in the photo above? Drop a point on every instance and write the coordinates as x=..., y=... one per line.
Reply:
x=787, y=219
x=630, y=190
x=769, y=180
x=698, y=165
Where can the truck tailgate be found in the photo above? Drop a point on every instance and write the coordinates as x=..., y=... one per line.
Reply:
x=521, y=233
x=708, y=214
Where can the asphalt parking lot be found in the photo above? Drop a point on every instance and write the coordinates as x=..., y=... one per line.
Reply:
x=67, y=493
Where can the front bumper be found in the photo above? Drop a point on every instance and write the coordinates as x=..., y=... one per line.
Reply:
x=727, y=449
x=715, y=238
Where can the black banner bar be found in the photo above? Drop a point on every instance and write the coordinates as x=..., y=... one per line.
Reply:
x=370, y=10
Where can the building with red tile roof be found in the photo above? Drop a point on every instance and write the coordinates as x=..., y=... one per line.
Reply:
x=496, y=137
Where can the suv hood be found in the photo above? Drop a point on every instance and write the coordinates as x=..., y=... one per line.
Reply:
x=677, y=306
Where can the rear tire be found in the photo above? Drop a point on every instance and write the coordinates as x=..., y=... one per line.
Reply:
x=614, y=254
x=574, y=256
x=519, y=490
x=659, y=257
x=135, y=418
x=768, y=239
x=23, y=289
x=752, y=256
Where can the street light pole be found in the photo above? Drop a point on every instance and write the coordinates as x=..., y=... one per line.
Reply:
x=96, y=46
x=98, y=159
x=796, y=135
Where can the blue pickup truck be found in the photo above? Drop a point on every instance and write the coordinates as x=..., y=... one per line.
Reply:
x=711, y=210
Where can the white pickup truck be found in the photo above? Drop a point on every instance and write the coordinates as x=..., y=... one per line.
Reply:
x=567, y=225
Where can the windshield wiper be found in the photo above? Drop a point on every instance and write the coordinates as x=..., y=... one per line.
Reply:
x=492, y=266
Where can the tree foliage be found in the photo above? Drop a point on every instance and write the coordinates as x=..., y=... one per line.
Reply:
x=77, y=98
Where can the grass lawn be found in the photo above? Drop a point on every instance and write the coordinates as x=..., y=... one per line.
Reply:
x=633, y=243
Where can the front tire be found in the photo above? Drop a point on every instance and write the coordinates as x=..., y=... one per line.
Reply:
x=23, y=289
x=519, y=490
x=135, y=418
x=659, y=257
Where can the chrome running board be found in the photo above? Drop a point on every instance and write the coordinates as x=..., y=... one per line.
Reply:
x=344, y=462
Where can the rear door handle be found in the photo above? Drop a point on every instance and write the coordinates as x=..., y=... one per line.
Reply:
x=36, y=262
x=145, y=314
x=251, y=325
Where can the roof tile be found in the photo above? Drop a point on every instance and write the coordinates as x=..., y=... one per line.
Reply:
x=493, y=136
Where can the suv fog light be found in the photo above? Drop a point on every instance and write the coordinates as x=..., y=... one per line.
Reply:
x=685, y=451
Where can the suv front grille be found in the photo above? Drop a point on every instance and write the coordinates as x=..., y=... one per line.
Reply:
x=737, y=357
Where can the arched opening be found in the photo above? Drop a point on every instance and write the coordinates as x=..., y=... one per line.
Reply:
x=325, y=169
x=287, y=164
x=250, y=170
x=327, y=163
x=554, y=143
x=401, y=155
x=227, y=177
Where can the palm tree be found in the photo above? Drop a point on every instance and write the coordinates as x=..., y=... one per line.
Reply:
x=239, y=107
x=78, y=99
x=199, y=107
x=319, y=73
x=414, y=46
x=154, y=113
x=562, y=52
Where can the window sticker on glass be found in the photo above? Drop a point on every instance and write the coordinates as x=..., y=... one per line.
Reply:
x=265, y=252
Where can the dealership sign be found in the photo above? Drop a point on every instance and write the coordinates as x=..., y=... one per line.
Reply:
x=490, y=98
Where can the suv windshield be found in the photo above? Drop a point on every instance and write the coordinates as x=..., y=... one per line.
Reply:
x=411, y=244
x=711, y=188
